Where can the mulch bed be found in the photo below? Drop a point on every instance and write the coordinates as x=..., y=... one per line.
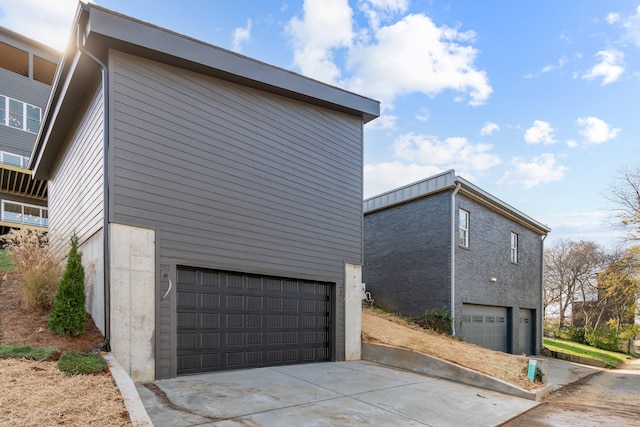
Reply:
x=36, y=393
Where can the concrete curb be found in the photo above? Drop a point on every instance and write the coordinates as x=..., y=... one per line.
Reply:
x=137, y=414
x=573, y=358
x=425, y=364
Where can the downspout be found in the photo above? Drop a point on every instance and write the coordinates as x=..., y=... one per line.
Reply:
x=453, y=258
x=541, y=322
x=105, y=178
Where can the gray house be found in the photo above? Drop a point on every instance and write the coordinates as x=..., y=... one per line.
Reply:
x=217, y=200
x=27, y=68
x=443, y=243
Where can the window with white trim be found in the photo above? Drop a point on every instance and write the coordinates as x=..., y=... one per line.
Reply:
x=19, y=115
x=514, y=247
x=25, y=214
x=463, y=228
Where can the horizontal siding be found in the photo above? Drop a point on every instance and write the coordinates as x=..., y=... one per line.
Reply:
x=16, y=141
x=76, y=184
x=233, y=178
x=234, y=174
x=23, y=88
x=26, y=90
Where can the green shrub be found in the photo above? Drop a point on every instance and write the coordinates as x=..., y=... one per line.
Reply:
x=605, y=339
x=36, y=264
x=68, y=316
x=438, y=320
x=578, y=335
x=76, y=363
x=18, y=351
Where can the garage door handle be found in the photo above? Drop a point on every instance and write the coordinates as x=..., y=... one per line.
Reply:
x=166, y=276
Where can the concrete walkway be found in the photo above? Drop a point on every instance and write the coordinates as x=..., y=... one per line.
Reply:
x=324, y=394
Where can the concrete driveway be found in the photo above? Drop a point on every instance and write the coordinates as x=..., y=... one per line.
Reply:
x=324, y=394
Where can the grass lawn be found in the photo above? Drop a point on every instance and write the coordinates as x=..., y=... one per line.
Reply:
x=612, y=359
x=5, y=261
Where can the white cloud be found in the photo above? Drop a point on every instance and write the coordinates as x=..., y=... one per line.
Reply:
x=385, y=121
x=423, y=115
x=630, y=26
x=572, y=143
x=591, y=226
x=377, y=11
x=382, y=177
x=596, y=130
x=391, y=5
x=454, y=152
x=325, y=26
x=561, y=63
x=529, y=173
x=612, y=18
x=610, y=67
x=489, y=128
x=415, y=55
x=540, y=132
x=411, y=55
x=46, y=21
x=241, y=35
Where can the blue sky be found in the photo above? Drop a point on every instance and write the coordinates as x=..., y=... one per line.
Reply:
x=536, y=102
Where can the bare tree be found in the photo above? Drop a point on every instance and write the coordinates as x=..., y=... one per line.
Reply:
x=624, y=194
x=570, y=275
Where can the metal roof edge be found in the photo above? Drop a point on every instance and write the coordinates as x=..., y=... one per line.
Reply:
x=487, y=199
x=448, y=180
x=160, y=41
x=415, y=190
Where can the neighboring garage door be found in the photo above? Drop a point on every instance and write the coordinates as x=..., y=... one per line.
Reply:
x=485, y=326
x=229, y=320
x=527, y=326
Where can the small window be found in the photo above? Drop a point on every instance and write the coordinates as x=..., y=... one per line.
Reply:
x=463, y=227
x=19, y=115
x=514, y=247
x=16, y=114
x=3, y=110
x=33, y=118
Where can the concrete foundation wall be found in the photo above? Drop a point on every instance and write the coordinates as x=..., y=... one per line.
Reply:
x=93, y=262
x=133, y=265
x=354, y=290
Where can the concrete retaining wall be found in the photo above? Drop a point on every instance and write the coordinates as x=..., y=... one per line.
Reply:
x=428, y=365
x=573, y=358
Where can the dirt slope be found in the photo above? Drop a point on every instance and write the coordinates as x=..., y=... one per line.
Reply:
x=383, y=328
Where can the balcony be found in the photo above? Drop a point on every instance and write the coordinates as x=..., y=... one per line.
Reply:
x=20, y=214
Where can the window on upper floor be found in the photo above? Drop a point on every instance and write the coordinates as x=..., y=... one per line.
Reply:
x=463, y=228
x=514, y=247
x=19, y=115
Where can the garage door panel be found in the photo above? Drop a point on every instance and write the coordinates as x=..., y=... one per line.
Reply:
x=249, y=321
x=187, y=299
x=485, y=326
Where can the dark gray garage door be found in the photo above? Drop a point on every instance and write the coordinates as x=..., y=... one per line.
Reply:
x=230, y=320
x=527, y=327
x=485, y=326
